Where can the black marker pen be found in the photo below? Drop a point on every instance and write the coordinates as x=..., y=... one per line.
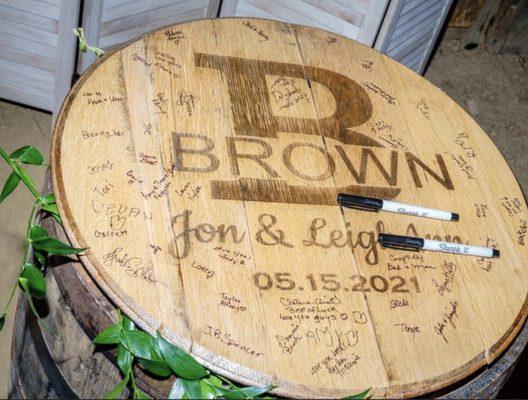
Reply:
x=414, y=243
x=372, y=204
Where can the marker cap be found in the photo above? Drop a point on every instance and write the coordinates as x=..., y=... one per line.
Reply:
x=400, y=242
x=360, y=202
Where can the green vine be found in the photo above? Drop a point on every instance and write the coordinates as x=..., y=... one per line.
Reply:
x=31, y=276
x=84, y=46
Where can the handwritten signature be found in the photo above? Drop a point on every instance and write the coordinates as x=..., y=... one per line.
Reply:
x=133, y=266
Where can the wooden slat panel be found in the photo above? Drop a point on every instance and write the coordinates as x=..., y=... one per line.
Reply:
x=212, y=9
x=287, y=14
x=417, y=11
x=135, y=7
x=28, y=45
x=418, y=52
x=402, y=32
x=21, y=94
x=407, y=26
x=37, y=61
x=21, y=17
x=28, y=32
x=123, y=36
x=410, y=4
x=228, y=8
x=34, y=7
x=41, y=82
x=115, y=3
x=179, y=7
x=413, y=44
x=344, y=17
x=323, y=15
x=400, y=43
x=427, y=56
x=372, y=21
x=37, y=49
x=415, y=65
x=412, y=30
x=53, y=2
x=345, y=13
x=69, y=18
x=247, y=10
x=91, y=21
x=360, y=6
x=36, y=75
x=388, y=25
x=414, y=61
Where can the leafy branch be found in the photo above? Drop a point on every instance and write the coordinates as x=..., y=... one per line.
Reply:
x=31, y=276
x=162, y=359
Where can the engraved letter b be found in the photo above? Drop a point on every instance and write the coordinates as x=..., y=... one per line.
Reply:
x=250, y=99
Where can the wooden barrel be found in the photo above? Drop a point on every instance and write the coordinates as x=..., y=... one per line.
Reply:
x=55, y=358
x=200, y=165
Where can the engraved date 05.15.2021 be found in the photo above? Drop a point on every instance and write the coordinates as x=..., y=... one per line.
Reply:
x=330, y=282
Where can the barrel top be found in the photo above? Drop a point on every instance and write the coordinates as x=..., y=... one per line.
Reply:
x=200, y=164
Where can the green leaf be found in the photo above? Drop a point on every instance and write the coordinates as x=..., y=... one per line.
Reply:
x=180, y=362
x=28, y=155
x=57, y=218
x=48, y=199
x=177, y=390
x=48, y=204
x=139, y=394
x=216, y=385
x=214, y=380
x=37, y=232
x=155, y=363
x=124, y=359
x=208, y=392
x=40, y=257
x=115, y=392
x=54, y=246
x=157, y=367
x=192, y=388
x=97, y=51
x=36, y=283
x=10, y=185
x=127, y=324
x=362, y=395
x=51, y=209
x=246, y=392
x=109, y=336
x=23, y=282
x=2, y=321
x=140, y=343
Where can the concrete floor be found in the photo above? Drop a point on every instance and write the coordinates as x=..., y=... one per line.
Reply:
x=492, y=88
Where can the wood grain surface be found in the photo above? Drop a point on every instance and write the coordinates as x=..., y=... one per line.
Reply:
x=200, y=165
